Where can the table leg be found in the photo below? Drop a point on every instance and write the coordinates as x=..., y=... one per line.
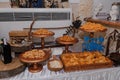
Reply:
x=66, y=49
x=42, y=42
x=91, y=34
x=35, y=68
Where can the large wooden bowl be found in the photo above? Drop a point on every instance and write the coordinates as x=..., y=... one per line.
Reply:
x=35, y=67
x=47, y=55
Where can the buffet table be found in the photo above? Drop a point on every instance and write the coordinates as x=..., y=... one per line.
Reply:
x=97, y=74
x=112, y=73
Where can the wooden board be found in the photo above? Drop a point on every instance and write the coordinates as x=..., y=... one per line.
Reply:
x=15, y=67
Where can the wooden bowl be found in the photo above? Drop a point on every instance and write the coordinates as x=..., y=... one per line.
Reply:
x=54, y=69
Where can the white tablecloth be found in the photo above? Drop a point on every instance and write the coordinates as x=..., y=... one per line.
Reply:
x=97, y=74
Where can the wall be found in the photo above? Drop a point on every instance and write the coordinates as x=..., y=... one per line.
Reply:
x=82, y=9
x=4, y=4
x=106, y=4
x=85, y=8
x=7, y=26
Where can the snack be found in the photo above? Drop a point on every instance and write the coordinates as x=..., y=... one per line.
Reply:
x=89, y=26
x=85, y=60
x=66, y=38
x=55, y=64
x=42, y=32
x=34, y=54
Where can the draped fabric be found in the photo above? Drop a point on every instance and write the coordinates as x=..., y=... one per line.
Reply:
x=96, y=74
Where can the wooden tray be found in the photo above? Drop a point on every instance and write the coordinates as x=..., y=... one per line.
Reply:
x=12, y=69
x=88, y=67
x=77, y=67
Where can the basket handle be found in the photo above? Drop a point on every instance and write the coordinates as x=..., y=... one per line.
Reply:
x=31, y=26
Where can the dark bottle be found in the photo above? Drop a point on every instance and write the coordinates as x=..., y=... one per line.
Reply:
x=6, y=54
